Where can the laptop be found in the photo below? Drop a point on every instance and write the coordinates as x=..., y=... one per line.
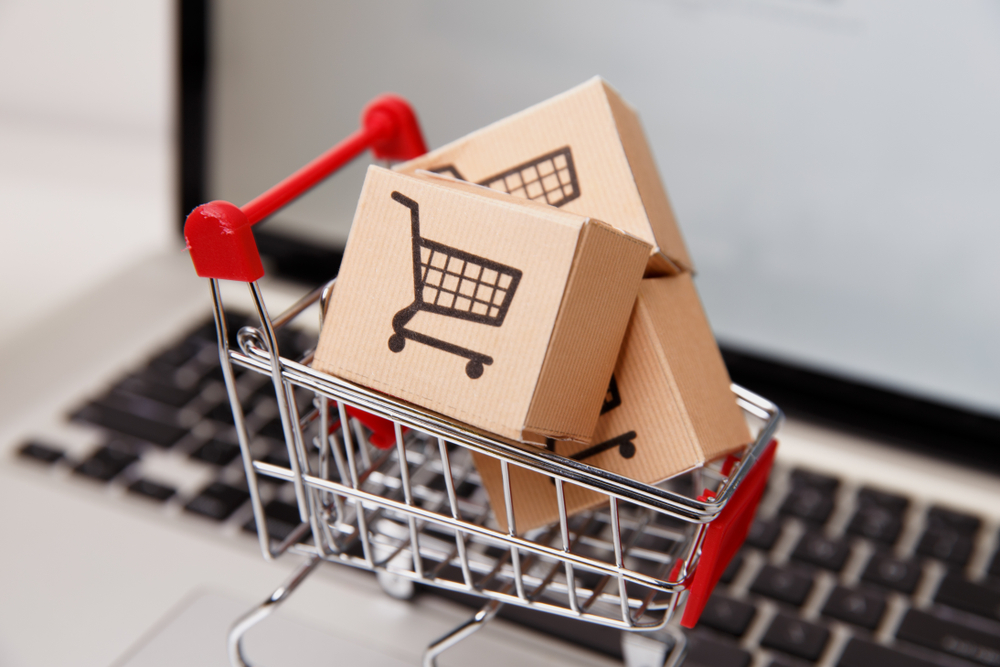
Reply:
x=838, y=215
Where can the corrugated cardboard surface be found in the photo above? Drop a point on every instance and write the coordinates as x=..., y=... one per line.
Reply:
x=674, y=409
x=613, y=176
x=596, y=309
x=695, y=364
x=376, y=282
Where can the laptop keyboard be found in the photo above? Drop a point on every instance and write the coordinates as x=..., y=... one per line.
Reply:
x=830, y=574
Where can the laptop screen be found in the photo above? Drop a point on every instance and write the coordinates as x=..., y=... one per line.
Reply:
x=832, y=163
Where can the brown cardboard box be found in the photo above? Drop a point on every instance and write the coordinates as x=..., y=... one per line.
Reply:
x=583, y=151
x=668, y=409
x=480, y=305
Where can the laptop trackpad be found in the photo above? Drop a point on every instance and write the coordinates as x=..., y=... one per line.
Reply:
x=194, y=635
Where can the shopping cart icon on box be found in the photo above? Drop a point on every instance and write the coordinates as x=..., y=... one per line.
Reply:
x=453, y=283
x=549, y=179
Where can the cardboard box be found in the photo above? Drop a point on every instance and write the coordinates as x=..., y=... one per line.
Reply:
x=583, y=151
x=668, y=409
x=480, y=305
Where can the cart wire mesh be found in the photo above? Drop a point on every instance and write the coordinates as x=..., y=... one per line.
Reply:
x=418, y=511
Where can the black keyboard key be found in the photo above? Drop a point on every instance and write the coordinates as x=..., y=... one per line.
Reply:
x=152, y=490
x=727, y=615
x=157, y=373
x=956, y=639
x=876, y=523
x=734, y=566
x=37, y=451
x=863, y=608
x=796, y=637
x=949, y=536
x=945, y=544
x=134, y=425
x=217, y=501
x=278, y=456
x=868, y=497
x=811, y=497
x=763, y=533
x=969, y=596
x=216, y=452
x=808, y=504
x=273, y=429
x=805, y=478
x=438, y=484
x=282, y=519
x=887, y=571
x=105, y=464
x=785, y=585
x=265, y=394
x=709, y=652
x=214, y=374
x=168, y=394
x=208, y=333
x=965, y=524
x=223, y=412
x=819, y=550
x=292, y=344
x=177, y=355
x=648, y=540
x=466, y=489
x=861, y=653
x=139, y=405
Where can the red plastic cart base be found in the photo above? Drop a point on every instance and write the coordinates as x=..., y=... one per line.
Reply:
x=725, y=535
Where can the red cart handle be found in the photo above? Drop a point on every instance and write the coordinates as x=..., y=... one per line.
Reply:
x=725, y=535
x=218, y=233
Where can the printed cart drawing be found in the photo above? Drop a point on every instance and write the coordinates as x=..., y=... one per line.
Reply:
x=549, y=178
x=454, y=283
x=624, y=442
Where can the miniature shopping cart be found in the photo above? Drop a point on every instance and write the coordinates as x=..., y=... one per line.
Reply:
x=389, y=487
x=453, y=283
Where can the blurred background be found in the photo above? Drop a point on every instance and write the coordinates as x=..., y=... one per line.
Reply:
x=87, y=119
x=831, y=162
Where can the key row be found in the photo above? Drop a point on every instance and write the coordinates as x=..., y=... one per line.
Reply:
x=945, y=640
x=948, y=536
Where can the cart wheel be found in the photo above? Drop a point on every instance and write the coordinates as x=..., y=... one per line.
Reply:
x=397, y=342
x=396, y=586
x=474, y=369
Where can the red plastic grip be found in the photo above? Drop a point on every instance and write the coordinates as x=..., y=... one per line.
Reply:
x=725, y=535
x=218, y=233
x=221, y=244
x=383, y=431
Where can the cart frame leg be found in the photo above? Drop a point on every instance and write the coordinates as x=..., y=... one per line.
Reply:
x=680, y=648
x=265, y=609
x=480, y=619
x=664, y=647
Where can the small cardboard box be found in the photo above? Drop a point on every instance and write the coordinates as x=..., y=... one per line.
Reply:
x=583, y=151
x=668, y=409
x=480, y=305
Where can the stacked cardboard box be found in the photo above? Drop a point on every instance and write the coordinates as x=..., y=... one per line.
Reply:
x=481, y=306
x=542, y=251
